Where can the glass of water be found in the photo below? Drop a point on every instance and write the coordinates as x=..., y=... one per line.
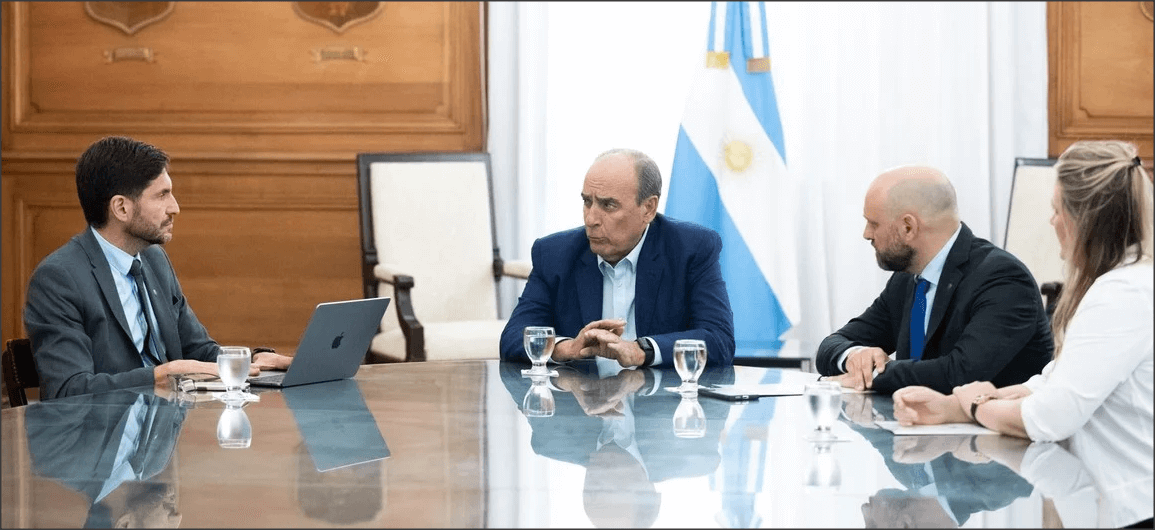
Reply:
x=538, y=401
x=689, y=418
x=539, y=341
x=825, y=401
x=689, y=360
x=234, y=431
x=823, y=471
x=233, y=365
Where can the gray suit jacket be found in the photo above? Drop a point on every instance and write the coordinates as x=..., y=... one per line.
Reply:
x=79, y=333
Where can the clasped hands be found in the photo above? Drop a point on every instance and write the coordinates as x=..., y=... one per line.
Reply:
x=601, y=396
x=601, y=338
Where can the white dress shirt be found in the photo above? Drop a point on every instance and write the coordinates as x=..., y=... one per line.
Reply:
x=1099, y=392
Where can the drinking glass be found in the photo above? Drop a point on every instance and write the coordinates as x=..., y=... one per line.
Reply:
x=823, y=471
x=233, y=428
x=825, y=400
x=233, y=365
x=689, y=418
x=689, y=360
x=538, y=401
x=539, y=342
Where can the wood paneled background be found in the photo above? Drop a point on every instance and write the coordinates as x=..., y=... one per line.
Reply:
x=263, y=113
x=1101, y=71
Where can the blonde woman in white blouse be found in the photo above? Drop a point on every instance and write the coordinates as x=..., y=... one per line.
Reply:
x=1098, y=390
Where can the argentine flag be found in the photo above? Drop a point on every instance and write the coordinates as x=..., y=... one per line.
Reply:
x=729, y=174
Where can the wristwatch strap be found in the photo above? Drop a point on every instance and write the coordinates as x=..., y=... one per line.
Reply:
x=648, y=349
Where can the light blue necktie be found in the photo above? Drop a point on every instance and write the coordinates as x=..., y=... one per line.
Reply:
x=917, y=319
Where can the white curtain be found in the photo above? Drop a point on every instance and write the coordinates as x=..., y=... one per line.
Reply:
x=861, y=87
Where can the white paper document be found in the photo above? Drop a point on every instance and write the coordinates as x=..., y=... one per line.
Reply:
x=928, y=430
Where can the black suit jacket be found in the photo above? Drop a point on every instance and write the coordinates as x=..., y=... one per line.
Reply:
x=78, y=329
x=987, y=324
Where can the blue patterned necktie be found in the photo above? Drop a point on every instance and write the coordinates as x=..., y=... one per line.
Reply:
x=917, y=319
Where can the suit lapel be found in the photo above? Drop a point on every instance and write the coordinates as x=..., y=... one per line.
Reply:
x=952, y=274
x=651, y=267
x=103, y=274
x=589, y=287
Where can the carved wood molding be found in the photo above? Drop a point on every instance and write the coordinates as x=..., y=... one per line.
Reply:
x=338, y=16
x=129, y=17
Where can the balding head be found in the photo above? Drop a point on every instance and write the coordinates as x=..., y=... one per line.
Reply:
x=911, y=212
x=919, y=190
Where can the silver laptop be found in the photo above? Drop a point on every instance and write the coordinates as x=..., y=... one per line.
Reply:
x=333, y=346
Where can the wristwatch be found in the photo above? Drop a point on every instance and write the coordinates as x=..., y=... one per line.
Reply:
x=647, y=349
x=979, y=400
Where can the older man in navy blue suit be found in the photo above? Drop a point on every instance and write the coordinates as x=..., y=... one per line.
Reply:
x=630, y=282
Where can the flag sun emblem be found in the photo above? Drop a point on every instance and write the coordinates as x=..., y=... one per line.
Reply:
x=738, y=155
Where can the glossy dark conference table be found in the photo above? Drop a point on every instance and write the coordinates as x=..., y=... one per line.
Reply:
x=447, y=444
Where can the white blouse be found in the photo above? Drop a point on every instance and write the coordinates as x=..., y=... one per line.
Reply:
x=1100, y=392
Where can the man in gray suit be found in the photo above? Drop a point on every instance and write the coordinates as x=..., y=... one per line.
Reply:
x=105, y=311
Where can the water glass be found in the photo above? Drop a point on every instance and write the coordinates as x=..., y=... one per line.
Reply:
x=823, y=471
x=233, y=364
x=538, y=401
x=689, y=418
x=234, y=431
x=689, y=361
x=825, y=401
x=539, y=341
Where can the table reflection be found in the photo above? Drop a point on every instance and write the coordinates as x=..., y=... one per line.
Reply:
x=340, y=459
x=114, y=449
x=945, y=479
x=618, y=425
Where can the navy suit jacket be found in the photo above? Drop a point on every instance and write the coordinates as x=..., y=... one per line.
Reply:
x=78, y=330
x=679, y=294
x=987, y=324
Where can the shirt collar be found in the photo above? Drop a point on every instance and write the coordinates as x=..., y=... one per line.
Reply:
x=933, y=270
x=632, y=257
x=117, y=258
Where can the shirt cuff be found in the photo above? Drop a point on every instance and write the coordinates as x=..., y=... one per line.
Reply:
x=657, y=351
x=845, y=354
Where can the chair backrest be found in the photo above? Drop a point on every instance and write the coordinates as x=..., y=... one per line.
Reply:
x=1030, y=236
x=431, y=216
x=19, y=371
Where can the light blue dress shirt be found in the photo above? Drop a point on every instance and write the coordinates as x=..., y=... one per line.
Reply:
x=618, y=282
x=121, y=262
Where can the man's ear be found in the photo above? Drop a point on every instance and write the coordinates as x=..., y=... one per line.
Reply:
x=650, y=207
x=121, y=208
x=909, y=227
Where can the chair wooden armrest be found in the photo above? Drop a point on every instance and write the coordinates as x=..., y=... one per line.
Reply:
x=403, y=304
x=516, y=269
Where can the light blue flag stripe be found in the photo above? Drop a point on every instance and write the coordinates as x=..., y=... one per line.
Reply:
x=758, y=87
x=758, y=317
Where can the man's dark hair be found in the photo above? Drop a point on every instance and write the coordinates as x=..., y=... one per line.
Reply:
x=113, y=166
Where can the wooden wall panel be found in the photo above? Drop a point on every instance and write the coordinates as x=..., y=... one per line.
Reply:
x=1101, y=71
x=263, y=139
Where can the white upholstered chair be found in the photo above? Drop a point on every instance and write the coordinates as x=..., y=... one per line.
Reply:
x=1030, y=236
x=428, y=241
